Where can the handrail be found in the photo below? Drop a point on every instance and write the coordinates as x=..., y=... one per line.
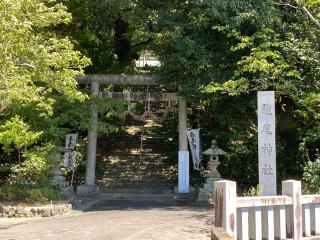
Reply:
x=290, y=215
x=263, y=201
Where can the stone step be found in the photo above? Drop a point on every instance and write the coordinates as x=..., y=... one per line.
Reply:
x=126, y=145
x=134, y=186
x=137, y=177
x=130, y=174
x=122, y=159
x=129, y=138
x=154, y=190
x=143, y=181
x=138, y=184
x=131, y=142
x=115, y=163
x=141, y=174
x=134, y=164
x=129, y=160
x=136, y=157
x=134, y=167
x=148, y=136
x=138, y=172
x=146, y=168
x=146, y=196
x=134, y=194
x=135, y=151
x=147, y=140
x=104, y=195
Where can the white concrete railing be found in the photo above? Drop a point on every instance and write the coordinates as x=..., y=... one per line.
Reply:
x=289, y=216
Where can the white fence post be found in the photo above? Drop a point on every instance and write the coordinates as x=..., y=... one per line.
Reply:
x=280, y=222
x=306, y=208
x=315, y=219
x=267, y=223
x=255, y=223
x=243, y=223
x=294, y=212
x=226, y=206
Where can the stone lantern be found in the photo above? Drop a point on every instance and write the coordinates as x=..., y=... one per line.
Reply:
x=206, y=193
x=57, y=179
x=214, y=152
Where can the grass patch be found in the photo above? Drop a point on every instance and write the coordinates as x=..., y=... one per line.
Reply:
x=28, y=194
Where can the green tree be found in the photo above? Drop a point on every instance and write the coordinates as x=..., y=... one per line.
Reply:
x=37, y=66
x=222, y=52
x=310, y=8
x=112, y=33
x=34, y=62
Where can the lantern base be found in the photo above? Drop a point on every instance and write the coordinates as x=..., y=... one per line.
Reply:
x=206, y=193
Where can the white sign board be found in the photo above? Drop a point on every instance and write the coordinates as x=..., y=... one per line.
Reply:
x=70, y=147
x=267, y=143
x=183, y=175
x=194, y=143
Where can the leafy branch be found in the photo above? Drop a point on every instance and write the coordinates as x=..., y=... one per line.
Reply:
x=299, y=5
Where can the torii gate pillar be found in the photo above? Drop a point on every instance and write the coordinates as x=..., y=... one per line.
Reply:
x=90, y=188
x=92, y=140
x=183, y=163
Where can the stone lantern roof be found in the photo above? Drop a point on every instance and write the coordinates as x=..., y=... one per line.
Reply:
x=214, y=150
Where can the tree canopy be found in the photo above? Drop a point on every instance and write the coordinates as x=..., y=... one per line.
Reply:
x=35, y=61
x=37, y=67
x=220, y=52
x=223, y=52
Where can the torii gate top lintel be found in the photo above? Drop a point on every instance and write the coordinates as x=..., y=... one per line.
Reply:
x=117, y=79
x=125, y=79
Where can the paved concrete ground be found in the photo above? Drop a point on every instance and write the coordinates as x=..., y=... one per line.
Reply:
x=117, y=220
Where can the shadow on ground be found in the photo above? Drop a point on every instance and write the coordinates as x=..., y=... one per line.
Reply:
x=127, y=205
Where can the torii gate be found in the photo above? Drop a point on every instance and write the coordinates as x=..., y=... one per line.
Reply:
x=95, y=80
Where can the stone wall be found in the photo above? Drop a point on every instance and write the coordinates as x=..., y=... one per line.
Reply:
x=7, y=211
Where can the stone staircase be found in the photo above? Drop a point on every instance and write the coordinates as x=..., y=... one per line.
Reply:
x=134, y=170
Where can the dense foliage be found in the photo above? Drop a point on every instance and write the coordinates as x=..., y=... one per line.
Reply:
x=37, y=67
x=223, y=52
x=112, y=32
x=39, y=97
x=311, y=175
x=220, y=53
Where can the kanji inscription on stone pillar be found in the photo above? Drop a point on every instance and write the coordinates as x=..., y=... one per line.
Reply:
x=183, y=172
x=267, y=143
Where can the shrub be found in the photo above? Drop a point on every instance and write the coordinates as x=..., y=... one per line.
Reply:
x=311, y=175
x=11, y=193
x=35, y=195
x=253, y=191
x=28, y=194
x=36, y=165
